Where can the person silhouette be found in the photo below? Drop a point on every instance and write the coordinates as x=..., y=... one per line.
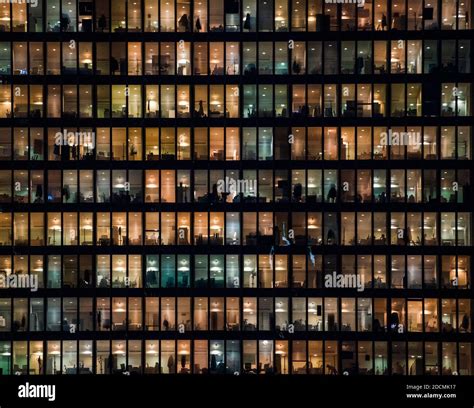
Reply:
x=247, y=22
x=184, y=23
x=384, y=22
x=198, y=25
x=99, y=319
x=102, y=23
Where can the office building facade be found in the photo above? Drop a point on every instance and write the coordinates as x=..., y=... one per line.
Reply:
x=222, y=186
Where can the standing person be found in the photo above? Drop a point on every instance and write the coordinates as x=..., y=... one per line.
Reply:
x=170, y=364
x=102, y=23
x=99, y=319
x=201, y=110
x=198, y=24
x=183, y=22
x=384, y=22
x=247, y=22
